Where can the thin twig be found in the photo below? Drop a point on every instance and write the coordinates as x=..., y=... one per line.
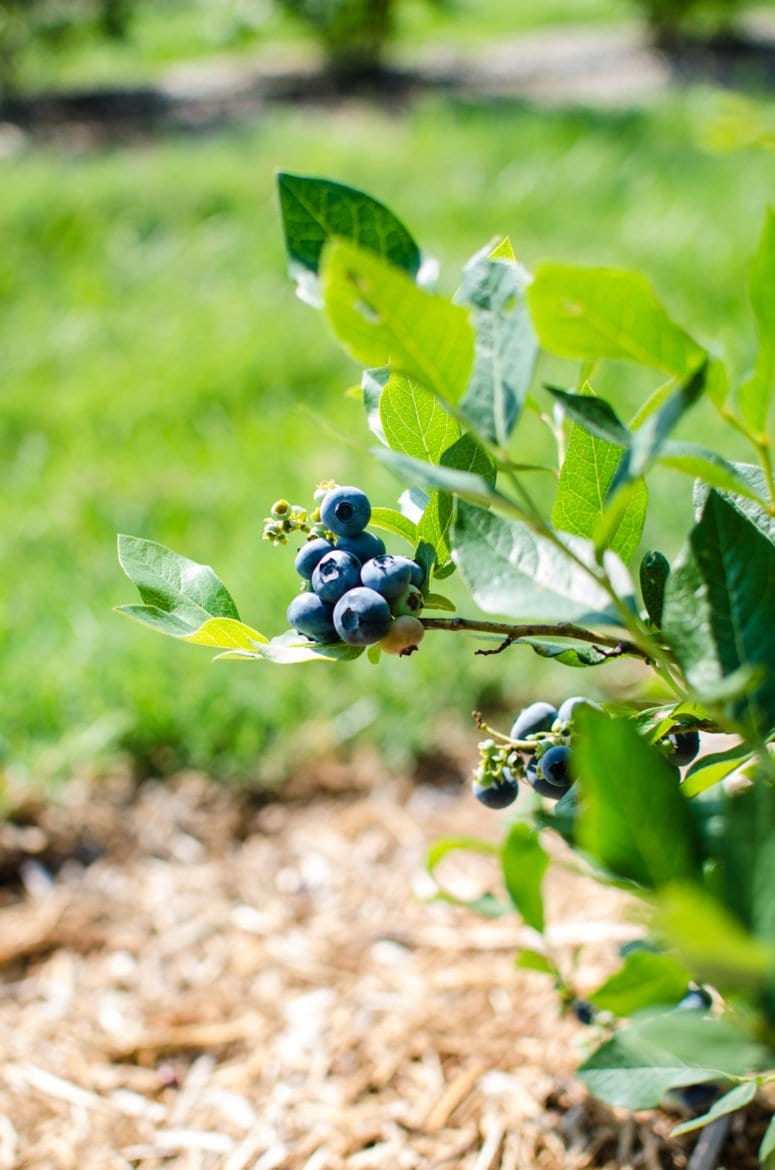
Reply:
x=608, y=644
x=708, y=1149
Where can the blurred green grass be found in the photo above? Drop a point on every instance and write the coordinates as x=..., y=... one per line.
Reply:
x=159, y=378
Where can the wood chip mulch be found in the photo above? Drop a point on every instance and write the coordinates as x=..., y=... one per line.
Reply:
x=233, y=989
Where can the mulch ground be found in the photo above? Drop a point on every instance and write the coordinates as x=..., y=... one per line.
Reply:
x=208, y=985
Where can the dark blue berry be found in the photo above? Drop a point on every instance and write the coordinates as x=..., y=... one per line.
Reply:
x=388, y=574
x=699, y=1098
x=364, y=546
x=697, y=999
x=500, y=794
x=537, y=717
x=554, y=767
x=345, y=511
x=583, y=1011
x=686, y=744
x=539, y=784
x=311, y=616
x=565, y=713
x=310, y=555
x=334, y=574
x=362, y=617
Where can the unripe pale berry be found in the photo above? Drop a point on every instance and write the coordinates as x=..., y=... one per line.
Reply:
x=404, y=636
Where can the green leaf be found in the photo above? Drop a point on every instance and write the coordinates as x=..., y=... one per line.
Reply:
x=439, y=601
x=714, y=944
x=654, y=572
x=707, y=466
x=645, y=978
x=718, y=608
x=587, y=472
x=389, y=520
x=426, y=475
x=511, y=570
x=710, y=769
x=291, y=647
x=486, y=904
x=755, y=395
x=383, y=319
x=747, y=854
x=227, y=634
x=524, y=862
x=735, y=1099
x=594, y=414
x=649, y=439
x=415, y=423
x=757, y=483
x=645, y=1060
x=373, y=383
x=767, y=1148
x=316, y=210
x=593, y=313
x=529, y=960
x=506, y=348
x=433, y=528
x=634, y=820
x=568, y=652
x=180, y=595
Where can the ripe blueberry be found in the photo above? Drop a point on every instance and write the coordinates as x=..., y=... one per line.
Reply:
x=500, y=794
x=565, y=713
x=554, y=767
x=310, y=555
x=696, y=999
x=539, y=784
x=362, y=617
x=364, y=546
x=404, y=636
x=537, y=717
x=583, y=1011
x=312, y=617
x=686, y=744
x=334, y=574
x=345, y=511
x=388, y=574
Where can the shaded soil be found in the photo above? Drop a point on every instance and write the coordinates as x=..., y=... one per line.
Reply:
x=592, y=65
x=231, y=987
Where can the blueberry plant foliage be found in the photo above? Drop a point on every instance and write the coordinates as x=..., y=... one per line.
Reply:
x=445, y=386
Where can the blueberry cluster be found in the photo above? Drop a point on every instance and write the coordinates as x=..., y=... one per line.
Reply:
x=537, y=749
x=353, y=590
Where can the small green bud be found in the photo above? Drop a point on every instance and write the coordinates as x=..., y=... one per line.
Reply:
x=280, y=508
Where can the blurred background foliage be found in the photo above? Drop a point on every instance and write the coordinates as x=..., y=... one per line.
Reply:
x=158, y=377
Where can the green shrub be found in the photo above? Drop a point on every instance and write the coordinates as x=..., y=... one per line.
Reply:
x=674, y=18
x=54, y=22
x=352, y=32
x=446, y=389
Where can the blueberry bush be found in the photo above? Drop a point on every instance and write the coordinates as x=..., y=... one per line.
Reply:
x=550, y=551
